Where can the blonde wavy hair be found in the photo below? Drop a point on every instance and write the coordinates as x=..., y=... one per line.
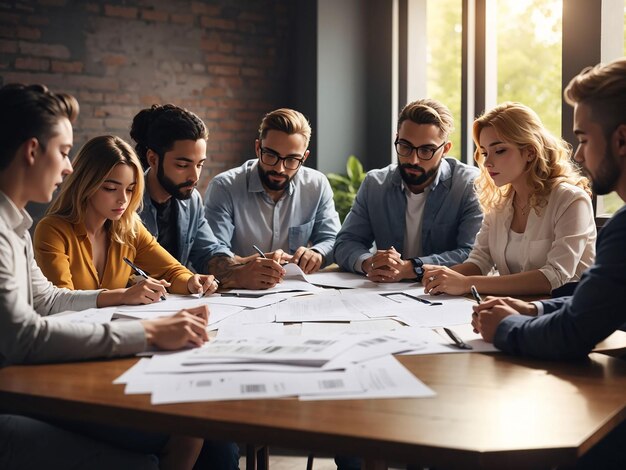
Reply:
x=519, y=125
x=93, y=164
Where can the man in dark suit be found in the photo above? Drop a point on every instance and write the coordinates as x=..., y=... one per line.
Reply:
x=569, y=327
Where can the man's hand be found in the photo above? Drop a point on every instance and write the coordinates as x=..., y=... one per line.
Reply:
x=488, y=315
x=187, y=326
x=387, y=266
x=279, y=256
x=309, y=260
x=203, y=284
x=443, y=280
x=259, y=273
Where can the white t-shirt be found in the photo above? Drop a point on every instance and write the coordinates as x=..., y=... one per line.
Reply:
x=512, y=252
x=413, y=228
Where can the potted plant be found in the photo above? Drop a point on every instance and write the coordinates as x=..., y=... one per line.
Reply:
x=346, y=186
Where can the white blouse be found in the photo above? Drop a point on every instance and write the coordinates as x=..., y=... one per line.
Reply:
x=559, y=242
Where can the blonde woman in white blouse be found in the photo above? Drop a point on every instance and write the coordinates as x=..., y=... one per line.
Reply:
x=539, y=230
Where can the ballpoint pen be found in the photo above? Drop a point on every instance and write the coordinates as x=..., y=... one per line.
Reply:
x=458, y=342
x=424, y=301
x=217, y=281
x=258, y=250
x=138, y=271
x=476, y=295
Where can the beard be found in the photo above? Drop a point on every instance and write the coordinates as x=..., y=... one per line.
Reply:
x=273, y=185
x=412, y=180
x=605, y=180
x=171, y=187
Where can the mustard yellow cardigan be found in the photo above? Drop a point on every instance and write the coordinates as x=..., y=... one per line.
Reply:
x=63, y=252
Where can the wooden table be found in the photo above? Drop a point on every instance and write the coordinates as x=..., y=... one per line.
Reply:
x=491, y=411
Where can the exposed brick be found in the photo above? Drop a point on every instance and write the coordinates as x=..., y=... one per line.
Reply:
x=246, y=27
x=225, y=47
x=201, y=8
x=121, y=12
x=233, y=125
x=8, y=47
x=90, y=97
x=53, y=51
x=182, y=18
x=121, y=98
x=32, y=63
x=90, y=123
x=24, y=32
x=92, y=83
x=114, y=60
x=208, y=103
x=117, y=124
x=223, y=59
x=149, y=100
x=217, y=23
x=252, y=72
x=59, y=66
x=8, y=31
x=154, y=15
x=210, y=92
x=223, y=70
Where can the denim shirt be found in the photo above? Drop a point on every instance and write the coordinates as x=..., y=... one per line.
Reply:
x=242, y=214
x=196, y=241
x=452, y=216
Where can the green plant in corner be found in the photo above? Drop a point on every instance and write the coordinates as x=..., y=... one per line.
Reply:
x=346, y=186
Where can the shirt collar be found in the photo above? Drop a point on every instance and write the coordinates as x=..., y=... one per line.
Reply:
x=18, y=219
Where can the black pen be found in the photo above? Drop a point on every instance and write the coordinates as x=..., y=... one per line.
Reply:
x=458, y=342
x=476, y=295
x=138, y=271
x=258, y=250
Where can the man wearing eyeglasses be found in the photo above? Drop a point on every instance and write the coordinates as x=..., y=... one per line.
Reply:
x=422, y=210
x=274, y=203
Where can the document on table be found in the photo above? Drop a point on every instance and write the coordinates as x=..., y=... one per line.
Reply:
x=317, y=308
x=217, y=312
x=353, y=281
x=235, y=330
x=361, y=326
x=252, y=385
x=90, y=315
x=383, y=377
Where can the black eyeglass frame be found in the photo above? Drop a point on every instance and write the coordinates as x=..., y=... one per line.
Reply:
x=266, y=152
x=417, y=149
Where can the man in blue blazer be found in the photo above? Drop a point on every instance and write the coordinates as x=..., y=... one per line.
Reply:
x=569, y=327
x=421, y=211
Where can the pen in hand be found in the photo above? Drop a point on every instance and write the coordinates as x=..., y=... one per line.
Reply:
x=476, y=295
x=138, y=271
x=258, y=250
x=217, y=282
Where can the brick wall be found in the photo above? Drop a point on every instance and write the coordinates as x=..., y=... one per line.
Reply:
x=225, y=60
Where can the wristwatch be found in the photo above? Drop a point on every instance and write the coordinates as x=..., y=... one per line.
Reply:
x=418, y=268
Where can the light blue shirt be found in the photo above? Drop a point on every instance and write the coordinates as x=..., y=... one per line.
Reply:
x=196, y=241
x=242, y=214
x=452, y=216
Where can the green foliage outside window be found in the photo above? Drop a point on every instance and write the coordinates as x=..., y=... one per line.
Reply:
x=346, y=186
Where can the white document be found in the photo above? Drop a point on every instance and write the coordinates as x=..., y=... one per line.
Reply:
x=135, y=371
x=454, y=311
x=90, y=315
x=383, y=377
x=252, y=385
x=217, y=312
x=317, y=308
x=253, y=316
x=354, y=281
x=363, y=326
x=299, y=350
x=234, y=330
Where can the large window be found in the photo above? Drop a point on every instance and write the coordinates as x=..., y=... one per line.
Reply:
x=443, y=71
x=529, y=37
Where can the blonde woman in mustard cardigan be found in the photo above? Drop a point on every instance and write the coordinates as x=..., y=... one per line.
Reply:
x=93, y=225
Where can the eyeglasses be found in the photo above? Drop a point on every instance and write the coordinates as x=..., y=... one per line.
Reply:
x=424, y=152
x=271, y=158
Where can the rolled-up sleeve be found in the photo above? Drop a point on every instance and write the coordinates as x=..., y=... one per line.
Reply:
x=218, y=210
x=326, y=224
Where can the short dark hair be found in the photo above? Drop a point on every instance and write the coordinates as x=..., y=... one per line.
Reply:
x=158, y=127
x=30, y=111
